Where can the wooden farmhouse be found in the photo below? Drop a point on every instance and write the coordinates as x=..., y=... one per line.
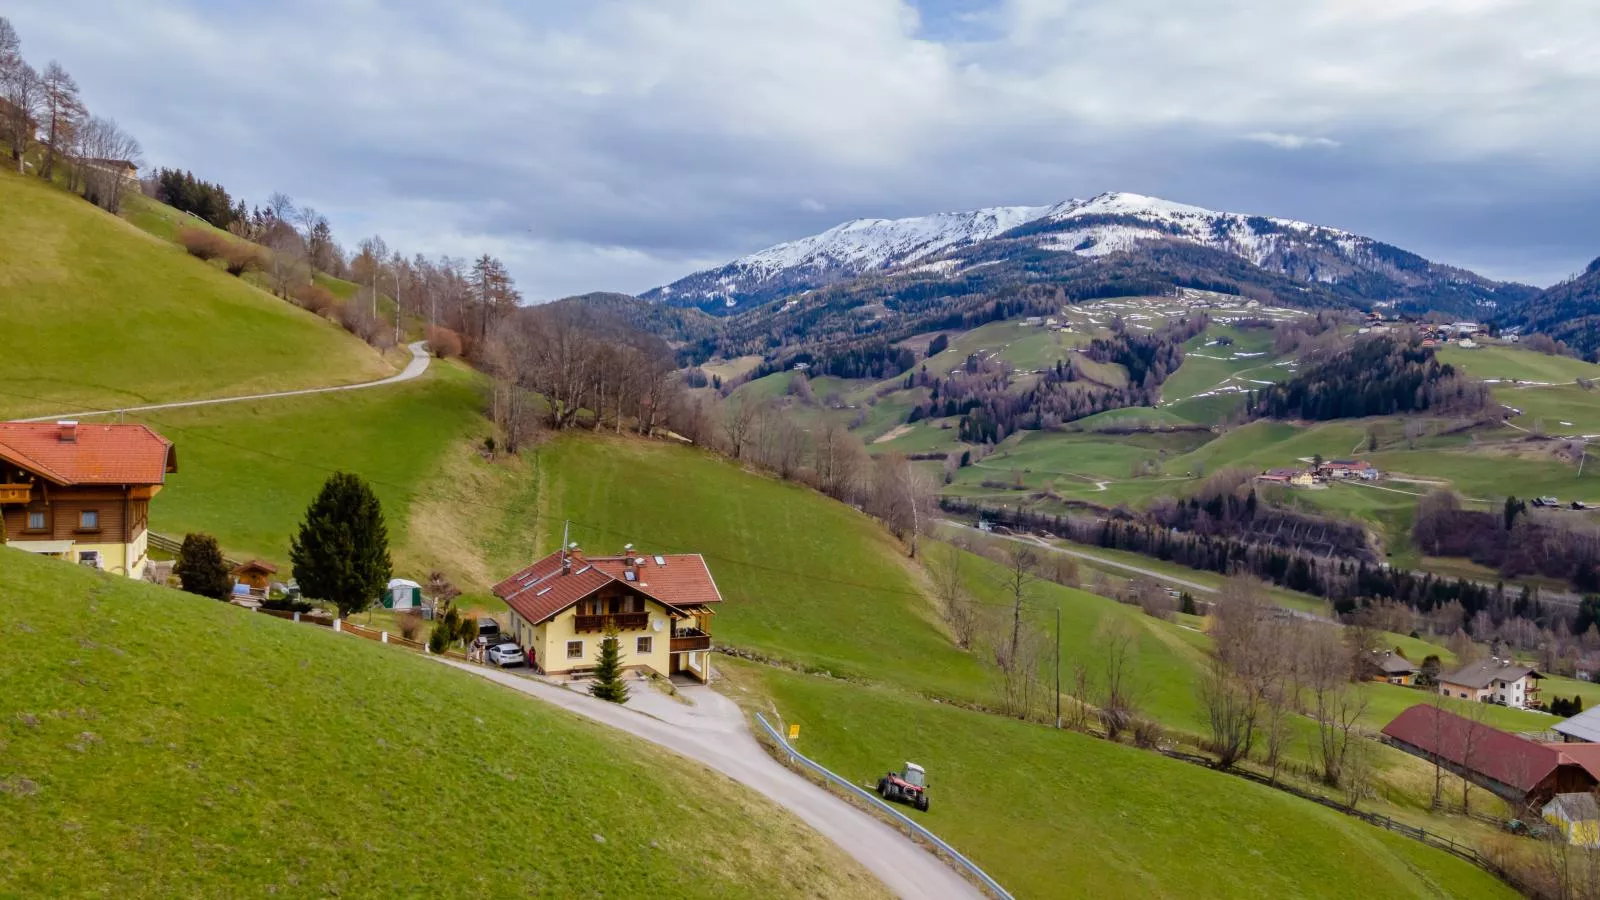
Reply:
x=82, y=492
x=660, y=606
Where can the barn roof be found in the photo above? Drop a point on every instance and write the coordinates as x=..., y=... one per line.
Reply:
x=1504, y=757
x=1584, y=726
x=68, y=453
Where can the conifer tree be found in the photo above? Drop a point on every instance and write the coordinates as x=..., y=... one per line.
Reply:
x=200, y=568
x=341, y=554
x=608, y=683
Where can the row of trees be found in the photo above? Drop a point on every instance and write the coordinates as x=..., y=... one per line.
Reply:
x=1376, y=376
x=91, y=148
x=1512, y=540
x=1348, y=584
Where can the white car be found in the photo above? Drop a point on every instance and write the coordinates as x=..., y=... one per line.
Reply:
x=506, y=654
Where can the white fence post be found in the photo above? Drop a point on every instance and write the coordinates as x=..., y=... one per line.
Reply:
x=385, y=637
x=297, y=616
x=336, y=623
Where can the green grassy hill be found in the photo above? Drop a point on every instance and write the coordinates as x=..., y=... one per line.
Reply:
x=1059, y=814
x=108, y=312
x=157, y=744
x=248, y=470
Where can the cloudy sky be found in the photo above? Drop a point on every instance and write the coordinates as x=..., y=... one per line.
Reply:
x=619, y=144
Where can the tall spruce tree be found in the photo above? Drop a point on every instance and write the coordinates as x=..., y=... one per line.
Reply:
x=608, y=683
x=341, y=554
x=200, y=568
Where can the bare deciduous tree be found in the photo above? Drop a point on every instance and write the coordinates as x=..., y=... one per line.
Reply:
x=102, y=146
x=63, y=112
x=738, y=423
x=1230, y=712
x=956, y=606
x=1118, y=694
x=1336, y=703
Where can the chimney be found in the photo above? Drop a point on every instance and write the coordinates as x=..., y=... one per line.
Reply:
x=567, y=553
x=69, y=431
x=629, y=562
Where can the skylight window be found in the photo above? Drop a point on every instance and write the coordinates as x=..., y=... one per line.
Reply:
x=661, y=560
x=631, y=575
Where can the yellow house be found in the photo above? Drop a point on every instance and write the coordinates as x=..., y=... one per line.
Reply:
x=1577, y=816
x=660, y=606
x=82, y=492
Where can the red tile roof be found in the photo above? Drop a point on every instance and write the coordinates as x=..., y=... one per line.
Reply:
x=1506, y=758
x=541, y=590
x=98, y=454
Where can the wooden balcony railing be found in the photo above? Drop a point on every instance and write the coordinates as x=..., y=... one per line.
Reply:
x=15, y=493
x=620, y=621
x=690, y=639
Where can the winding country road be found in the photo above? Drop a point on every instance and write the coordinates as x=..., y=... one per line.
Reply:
x=712, y=731
x=414, y=368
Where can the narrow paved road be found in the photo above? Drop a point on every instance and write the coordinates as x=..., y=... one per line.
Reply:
x=713, y=732
x=414, y=368
x=1054, y=548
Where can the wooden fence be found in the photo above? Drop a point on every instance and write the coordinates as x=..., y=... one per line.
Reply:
x=371, y=634
x=169, y=544
x=1438, y=841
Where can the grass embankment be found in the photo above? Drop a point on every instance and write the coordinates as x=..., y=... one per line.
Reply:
x=247, y=472
x=158, y=744
x=104, y=316
x=803, y=578
x=1059, y=814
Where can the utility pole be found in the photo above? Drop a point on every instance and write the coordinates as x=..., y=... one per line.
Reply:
x=397, y=303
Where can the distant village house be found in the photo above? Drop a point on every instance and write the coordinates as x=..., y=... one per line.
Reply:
x=1494, y=680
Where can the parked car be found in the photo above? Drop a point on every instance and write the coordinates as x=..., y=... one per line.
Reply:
x=488, y=627
x=1546, y=501
x=506, y=654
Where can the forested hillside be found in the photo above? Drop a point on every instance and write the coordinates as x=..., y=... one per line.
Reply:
x=1376, y=376
x=1568, y=312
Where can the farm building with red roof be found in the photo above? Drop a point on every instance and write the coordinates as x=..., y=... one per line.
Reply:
x=82, y=492
x=660, y=606
x=1514, y=768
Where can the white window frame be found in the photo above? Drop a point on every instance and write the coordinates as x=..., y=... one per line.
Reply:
x=644, y=644
x=581, y=649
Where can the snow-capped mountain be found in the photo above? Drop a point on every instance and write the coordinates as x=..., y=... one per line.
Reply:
x=843, y=251
x=948, y=245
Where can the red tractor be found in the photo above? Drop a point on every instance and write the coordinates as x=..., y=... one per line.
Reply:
x=910, y=786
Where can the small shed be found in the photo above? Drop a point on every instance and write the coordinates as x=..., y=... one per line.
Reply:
x=255, y=575
x=1578, y=817
x=402, y=594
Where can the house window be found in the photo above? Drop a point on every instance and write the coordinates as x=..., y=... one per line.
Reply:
x=574, y=649
x=642, y=645
x=89, y=520
x=89, y=558
x=36, y=520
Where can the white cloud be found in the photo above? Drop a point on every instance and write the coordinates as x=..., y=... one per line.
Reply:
x=1290, y=141
x=617, y=143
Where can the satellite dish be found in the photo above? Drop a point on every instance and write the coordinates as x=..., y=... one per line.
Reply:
x=656, y=624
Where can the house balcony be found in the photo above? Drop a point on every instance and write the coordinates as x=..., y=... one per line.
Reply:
x=638, y=621
x=686, y=639
x=15, y=493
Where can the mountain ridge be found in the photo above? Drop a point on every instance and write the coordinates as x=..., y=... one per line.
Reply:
x=1351, y=267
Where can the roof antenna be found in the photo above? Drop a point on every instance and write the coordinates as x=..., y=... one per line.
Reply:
x=566, y=528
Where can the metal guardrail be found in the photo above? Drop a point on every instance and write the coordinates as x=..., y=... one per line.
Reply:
x=902, y=818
